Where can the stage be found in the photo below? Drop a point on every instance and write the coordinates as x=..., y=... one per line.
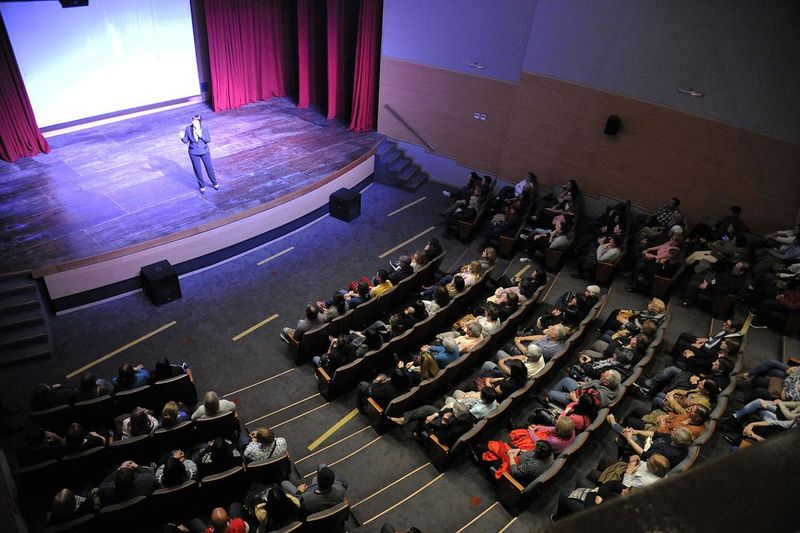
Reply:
x=128, y=186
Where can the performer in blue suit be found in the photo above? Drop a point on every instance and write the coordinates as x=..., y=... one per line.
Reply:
x=198, y=138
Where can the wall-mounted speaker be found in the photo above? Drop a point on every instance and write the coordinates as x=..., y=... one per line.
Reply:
x=345, y=204
x=612, y=125
x=160, y=282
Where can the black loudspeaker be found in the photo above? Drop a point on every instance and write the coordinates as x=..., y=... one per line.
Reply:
x=345, y=204
x=612, y=125
x=160, y=282
x=74, y=3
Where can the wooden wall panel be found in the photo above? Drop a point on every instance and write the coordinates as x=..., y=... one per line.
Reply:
x=556, y=128
x=440, y=104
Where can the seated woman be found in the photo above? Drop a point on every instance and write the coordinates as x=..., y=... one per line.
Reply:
x=218, y=455
x=91, y=388
x=470, y=274
x=165, y=370
x=68, y=506
x=481, y=404
x=140, y=422
x=279, y=508
x=632, y=321
x=337, y=307
x=175, y=470
x=524, y=466
x=589, y=368
x=559, y=436
x=173, y=414
x=505, y=385
x=130, y=377
x=263, y=445
x=340, y=352
x=608, y=250
x=419, y=259
x=383, y=389
x=673, y=445
x=77, y=439
x=371, y=340
x=441, y=297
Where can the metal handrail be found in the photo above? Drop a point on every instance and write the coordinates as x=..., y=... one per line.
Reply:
x=407, y=125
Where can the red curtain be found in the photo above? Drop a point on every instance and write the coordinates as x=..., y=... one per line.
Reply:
x=311, y=52
x=336, y=57
x=19, y=134
x=365, y=84
x=246, y=48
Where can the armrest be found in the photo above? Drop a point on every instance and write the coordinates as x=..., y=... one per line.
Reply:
x=436, y=441
x=324, y=374
x=375, y=406
x=510, y=479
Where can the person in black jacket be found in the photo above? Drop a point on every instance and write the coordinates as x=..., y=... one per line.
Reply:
x=128, y=481
x=383, y=389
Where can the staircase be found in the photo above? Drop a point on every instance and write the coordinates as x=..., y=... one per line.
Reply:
x=23, y=330
x=396, y=169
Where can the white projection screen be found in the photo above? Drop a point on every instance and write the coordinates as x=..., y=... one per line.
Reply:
x=109, y=56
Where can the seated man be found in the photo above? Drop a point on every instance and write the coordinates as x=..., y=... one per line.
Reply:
x=444, y=354
x=724, y=282
x=231, y=521
x=673, y=377
x=680, y=400
x=447, y=424
x=480, y=404
x=604, y=389
x=126, y=482
x=466, y=342
x=402, y=271
x=213, y=405
x=313, y=319
x=46, y=396
x=129, y=377
x=550, y=342
x=673, y=445
x=68, y=506
x=730, y=330
x=695, y=420
x=325, y=491
x=381, y=284
x=533, y=361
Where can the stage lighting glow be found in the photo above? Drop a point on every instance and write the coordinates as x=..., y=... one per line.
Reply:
x=110, y=56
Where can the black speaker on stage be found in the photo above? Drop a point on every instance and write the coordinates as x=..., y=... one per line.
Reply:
x=612, y=125
x=345, y=204
x=160, y=282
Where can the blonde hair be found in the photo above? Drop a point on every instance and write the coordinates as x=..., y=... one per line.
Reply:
x=565, y=427
x=475, y=267
x=170, y=411
x=657, y=306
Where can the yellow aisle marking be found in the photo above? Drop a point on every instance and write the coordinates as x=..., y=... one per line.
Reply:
x=349, y=455
x=508, y=525
x=405, y=207
x=478, y=517
x=521, y=272
x=390, y=485
x=270, y=258
x=282, y=409
x=301, y=415
x=334, y=428
x=746, y=325
x=332, y=444
x=258, y=383
x=404, y=500
x=412, y=239
x=711, y=328
x=253, y=328
x=120, y=350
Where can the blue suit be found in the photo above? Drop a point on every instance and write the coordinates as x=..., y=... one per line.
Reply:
x=199, y=151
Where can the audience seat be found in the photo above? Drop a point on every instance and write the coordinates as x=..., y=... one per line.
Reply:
x=95, y=413
x=208, y=428
x=220, y=490
x=125, y=516
x=272, y=470
x=179, y=388
x=175, y=503
x=180, y=437
x=85, y=468
x=330, y=520
x=138, y=449
x=81, y=524
x=128, y=400
x=55, y=419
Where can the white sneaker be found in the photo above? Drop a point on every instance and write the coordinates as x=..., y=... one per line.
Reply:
x=202, y=190
x=216, y=186
x=525, y=260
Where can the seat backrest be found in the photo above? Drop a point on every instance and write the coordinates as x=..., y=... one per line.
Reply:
x=55, y=419
x=346, y=377
x=39, y=481
x=175, y=503
x=313, y=342
x=220, y=490
x=220, y=425
x=577, y=444
x=179, y=437
x=128, y=400
x=95, y=413
x=329, y=520
x=82, y=523
x=343, y=323
x=124, y=516
x=272, y=470
x=85, y=467
x=137, y=449
x=179, y=388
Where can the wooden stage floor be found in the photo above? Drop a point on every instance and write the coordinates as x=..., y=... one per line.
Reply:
x=128, y=182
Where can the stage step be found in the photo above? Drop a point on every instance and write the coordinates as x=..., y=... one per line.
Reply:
x=395, y=168
x=24, y=333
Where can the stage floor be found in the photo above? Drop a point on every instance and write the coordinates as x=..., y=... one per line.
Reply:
x=128, y=182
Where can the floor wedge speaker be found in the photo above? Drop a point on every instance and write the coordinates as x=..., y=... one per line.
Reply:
x=160, y=282
x=345, y=204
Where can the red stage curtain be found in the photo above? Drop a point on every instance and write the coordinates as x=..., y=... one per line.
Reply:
x=19, y=134
x=365, y=84
x=311, y=52
x=336, y=57
x=246, y=49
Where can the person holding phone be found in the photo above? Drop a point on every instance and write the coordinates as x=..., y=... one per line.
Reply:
x=198, y=138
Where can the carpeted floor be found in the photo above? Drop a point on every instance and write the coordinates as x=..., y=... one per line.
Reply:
x=227, y=299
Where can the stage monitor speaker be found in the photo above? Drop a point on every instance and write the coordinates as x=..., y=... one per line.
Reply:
x=160, y=282
x=612, y=125
x=74, y=3
x=345, y=204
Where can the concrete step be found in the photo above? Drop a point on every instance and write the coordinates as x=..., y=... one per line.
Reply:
x=407, y=172
x=13, y=288
x=391, y=156
x=23, y=354
x=18, y=323
x=416, y=181
x=20, y=307
x=24, y=337
x=385, y=146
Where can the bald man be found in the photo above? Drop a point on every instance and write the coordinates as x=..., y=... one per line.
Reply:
x=221, y=521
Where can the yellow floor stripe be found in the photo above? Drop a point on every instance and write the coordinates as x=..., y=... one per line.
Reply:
x=332, y=444
x=746, y=325
x=478, y=517
x=404, y=500
x=406, y=206
x=390, y=485
x=270, y=258
x=349, y=455
x=334, y=428
x=253, y=328
x=256, y=384
x=120, y=350
x=282, y=409
x=412, y=239
x=521, y=272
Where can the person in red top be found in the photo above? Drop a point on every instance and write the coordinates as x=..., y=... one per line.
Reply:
x=221, y=522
